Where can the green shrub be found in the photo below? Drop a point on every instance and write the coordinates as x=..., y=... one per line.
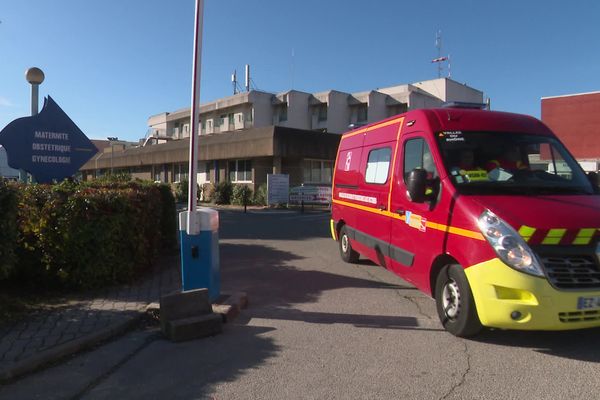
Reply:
x=31, y=226
x=117, y=177
x=168, y=217
x=208, y=192
x=242, y=195
x=181, y=191
x=8, y=228
x=260, y=196
x=223, y=192
x=92, y=234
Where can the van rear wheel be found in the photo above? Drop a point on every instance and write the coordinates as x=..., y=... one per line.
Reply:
x=454, y=302
x=346, y=251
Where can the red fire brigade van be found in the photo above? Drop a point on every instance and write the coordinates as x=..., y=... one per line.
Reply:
x=485, y=211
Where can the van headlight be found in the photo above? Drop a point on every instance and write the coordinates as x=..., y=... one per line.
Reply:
x=508, y=244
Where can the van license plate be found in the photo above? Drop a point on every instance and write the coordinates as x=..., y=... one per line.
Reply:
x=588, y=303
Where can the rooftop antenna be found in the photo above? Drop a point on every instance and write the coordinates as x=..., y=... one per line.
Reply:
x=247, y=83
x=292, y=68
x=234, y=82
x=440, y=59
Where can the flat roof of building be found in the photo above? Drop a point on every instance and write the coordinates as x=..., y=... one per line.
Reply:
x=570, y=95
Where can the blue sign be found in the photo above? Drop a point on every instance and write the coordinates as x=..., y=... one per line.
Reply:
x=48, y=145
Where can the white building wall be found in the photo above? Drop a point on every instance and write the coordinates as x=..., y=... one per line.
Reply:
x=377, y=109
x=298, y=115
x=338, y=111
x=338, y=114
x=419, y=100
x=262, y=109
x=449, y=90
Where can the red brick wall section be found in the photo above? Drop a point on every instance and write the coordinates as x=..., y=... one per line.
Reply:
x=576, y=121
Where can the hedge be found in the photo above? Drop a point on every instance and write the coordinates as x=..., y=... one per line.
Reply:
x=8, y=228
x=88, y=235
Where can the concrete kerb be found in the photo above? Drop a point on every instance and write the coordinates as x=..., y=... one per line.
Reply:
x=228, y=307
x=231, y=305
x=60, y=352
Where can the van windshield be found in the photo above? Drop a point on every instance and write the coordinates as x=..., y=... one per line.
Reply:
x=510, y=163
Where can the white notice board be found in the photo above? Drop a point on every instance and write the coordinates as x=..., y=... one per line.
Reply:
x=278, y=188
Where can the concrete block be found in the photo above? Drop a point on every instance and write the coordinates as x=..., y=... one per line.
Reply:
x=194, y=327
x=188, y=315
x=181, y=305
x=238, y=298
x=229, y=313
x=231, y=305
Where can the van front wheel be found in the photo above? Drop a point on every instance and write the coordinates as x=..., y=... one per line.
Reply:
x=346, y=251
x=454, y=302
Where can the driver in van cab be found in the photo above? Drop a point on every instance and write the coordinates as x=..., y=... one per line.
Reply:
x=466, y=169
x=510, y=161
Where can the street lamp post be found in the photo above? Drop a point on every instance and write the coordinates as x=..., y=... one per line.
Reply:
x=35, y=77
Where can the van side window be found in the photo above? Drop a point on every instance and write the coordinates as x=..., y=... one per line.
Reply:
x=378, y=165
x=417, y=155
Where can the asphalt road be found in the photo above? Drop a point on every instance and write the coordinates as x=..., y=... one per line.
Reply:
x=318, y=328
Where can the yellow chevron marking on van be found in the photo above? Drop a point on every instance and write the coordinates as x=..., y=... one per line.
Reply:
x=431, y=225
x=370, y=128
x=584, y=236
x=554, y=236
x=526, y=232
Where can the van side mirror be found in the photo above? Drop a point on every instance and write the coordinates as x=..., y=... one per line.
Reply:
x=416, y=185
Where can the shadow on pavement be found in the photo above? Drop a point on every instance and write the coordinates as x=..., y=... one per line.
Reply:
x=577, y=345
x=356, y=320
x=265, y=274
x=188, y=370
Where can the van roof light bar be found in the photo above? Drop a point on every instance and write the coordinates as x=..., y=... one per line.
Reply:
x=464, y=104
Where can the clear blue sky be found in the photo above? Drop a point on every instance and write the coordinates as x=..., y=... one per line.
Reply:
x=111, y=64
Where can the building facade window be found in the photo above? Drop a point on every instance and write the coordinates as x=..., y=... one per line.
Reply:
x=317, y=171
x=180, y=172
x=240, y=171
x=362, y=113
x=283, y=113
x=322, y=112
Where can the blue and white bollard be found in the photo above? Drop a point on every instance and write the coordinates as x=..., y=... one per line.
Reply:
x=200, y=251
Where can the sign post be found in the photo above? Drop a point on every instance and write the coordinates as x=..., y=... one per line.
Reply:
x=198, y=227
x=35, y=77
